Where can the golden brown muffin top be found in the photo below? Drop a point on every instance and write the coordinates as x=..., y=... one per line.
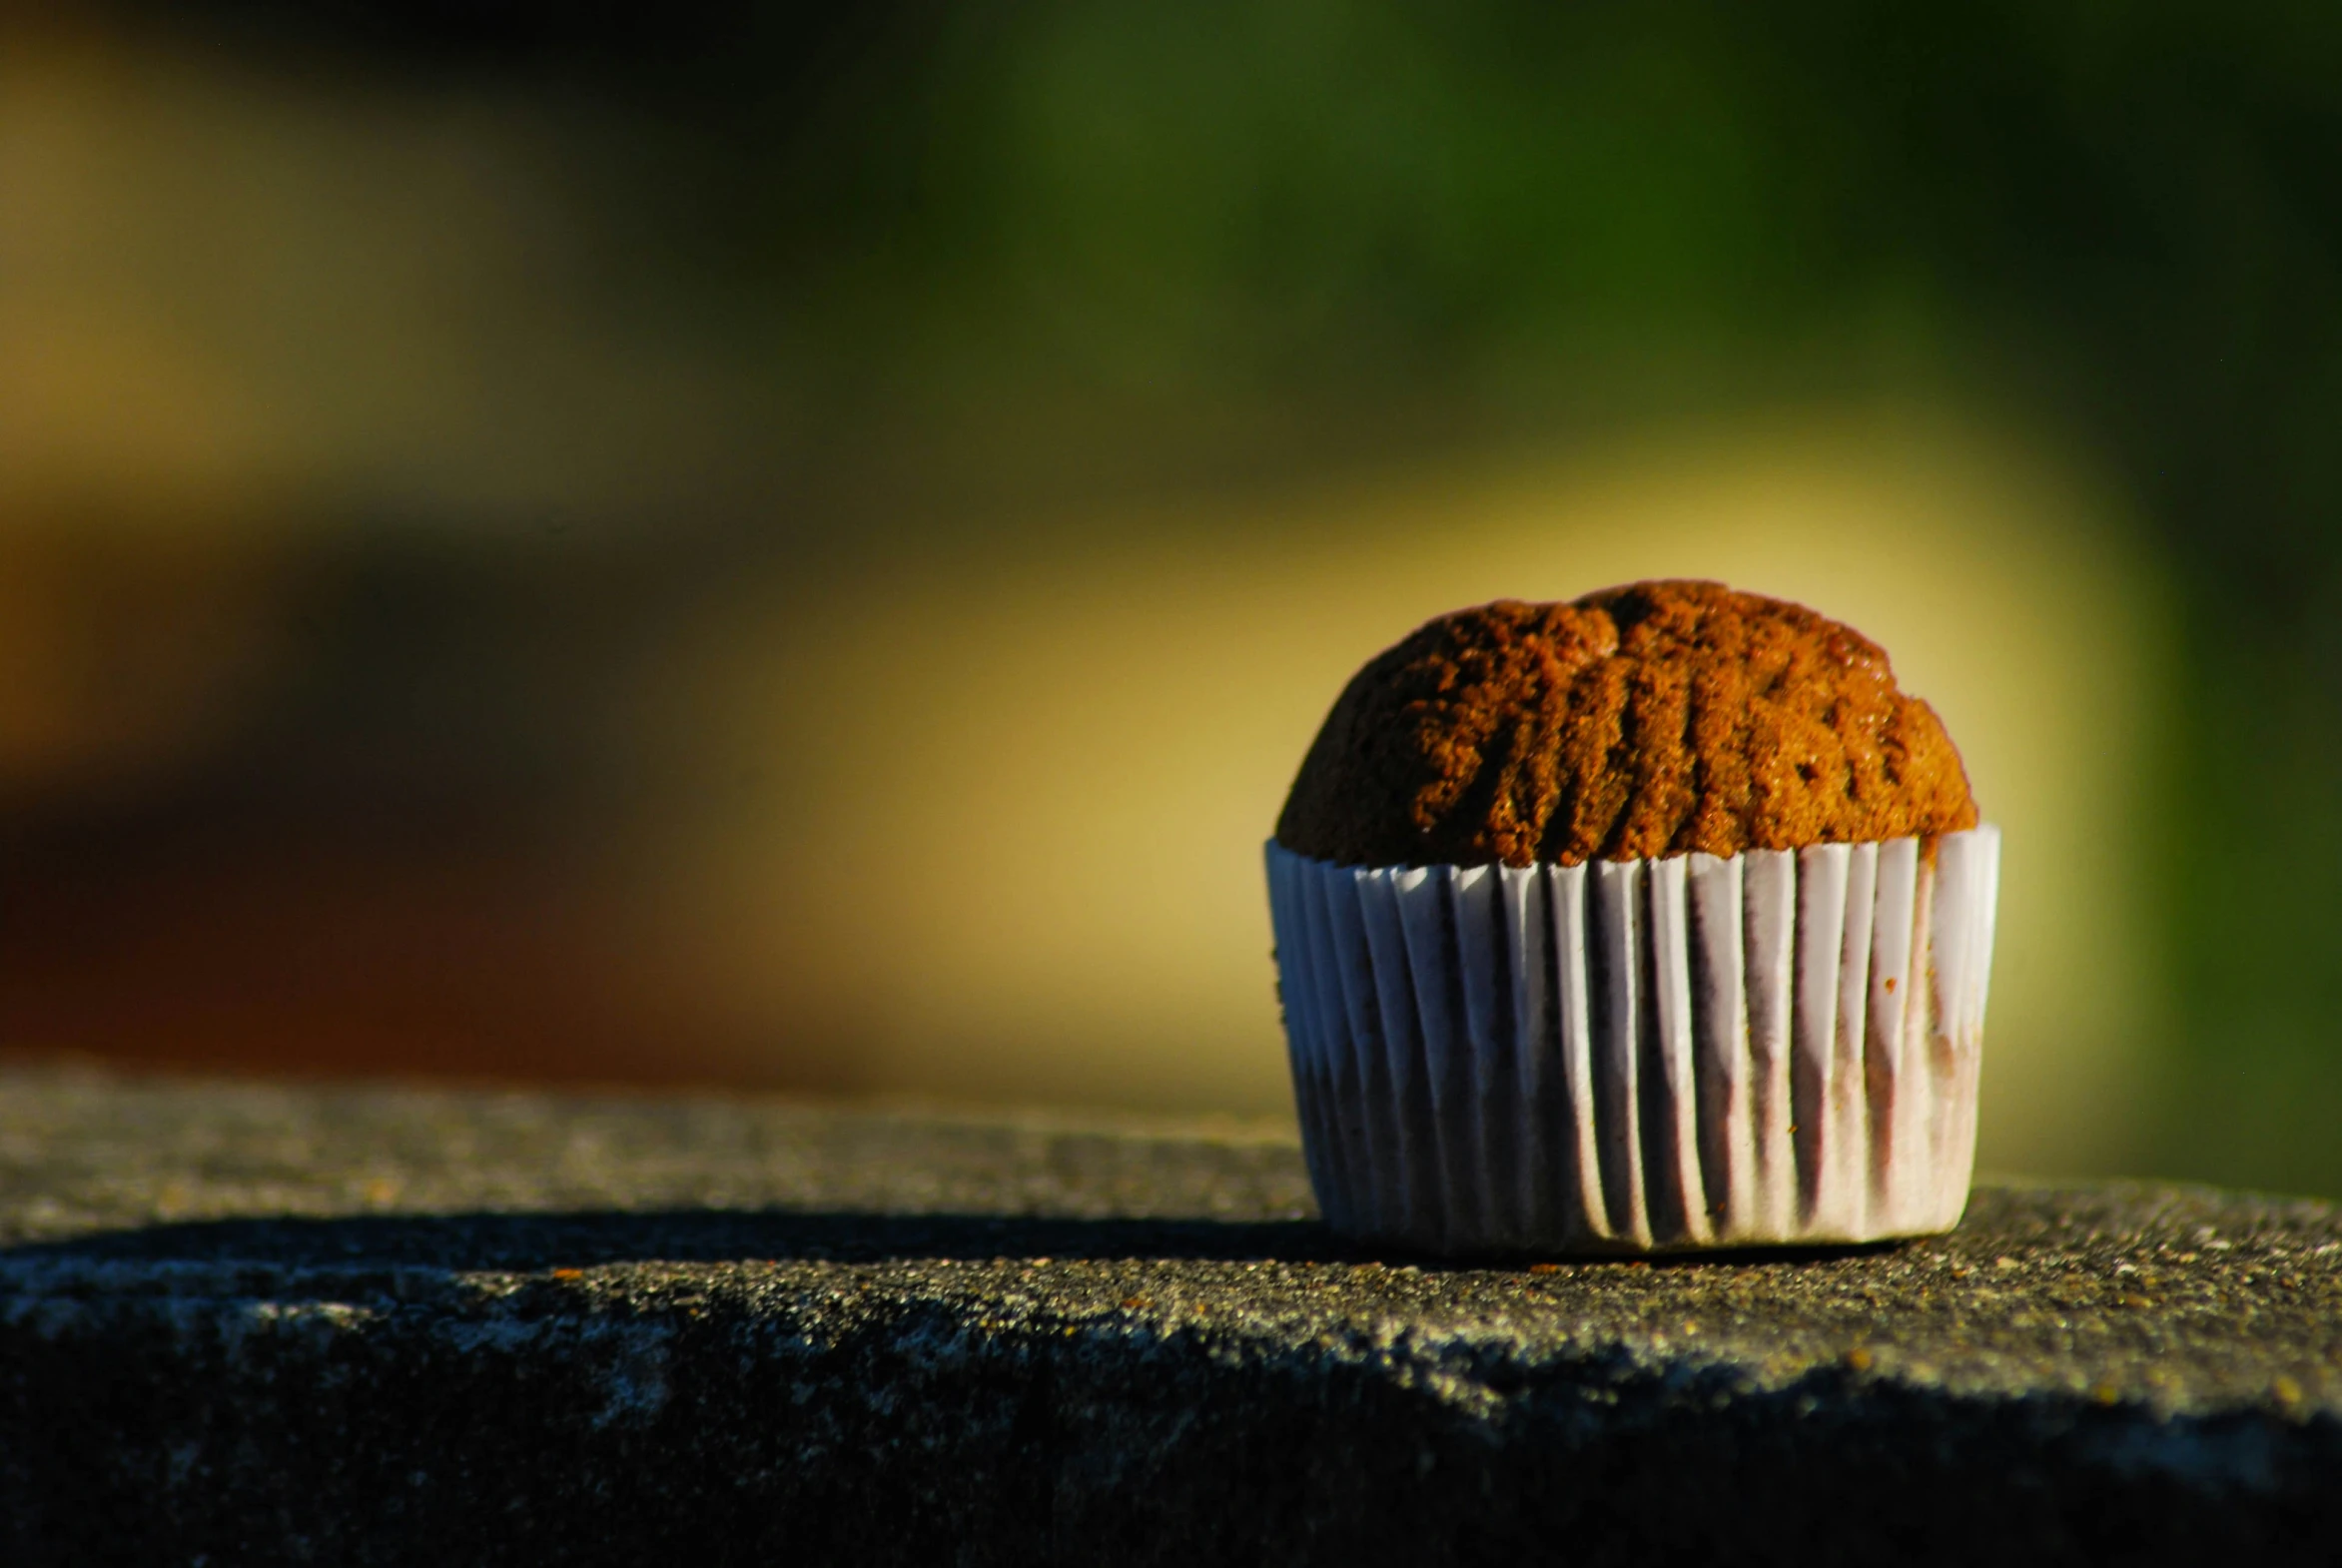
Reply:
x=1641, y=721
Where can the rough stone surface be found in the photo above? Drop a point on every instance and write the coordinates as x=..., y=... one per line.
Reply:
x=255, y=1325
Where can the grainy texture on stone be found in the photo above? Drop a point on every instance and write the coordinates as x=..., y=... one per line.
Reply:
x=259, y=1325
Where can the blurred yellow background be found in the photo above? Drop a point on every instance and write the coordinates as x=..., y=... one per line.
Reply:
x=766, y=548
x=1011, y=844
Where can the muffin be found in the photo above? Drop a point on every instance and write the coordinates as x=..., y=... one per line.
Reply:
x=1657, y=919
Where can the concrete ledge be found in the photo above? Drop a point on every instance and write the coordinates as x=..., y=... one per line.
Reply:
x=260, y=1325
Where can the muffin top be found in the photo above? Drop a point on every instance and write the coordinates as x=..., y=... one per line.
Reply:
x=1636, y=722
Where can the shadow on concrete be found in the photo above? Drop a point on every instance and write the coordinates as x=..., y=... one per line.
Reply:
x=524, y=1242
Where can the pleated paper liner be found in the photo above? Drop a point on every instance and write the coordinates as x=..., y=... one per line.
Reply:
x=1777, y=1047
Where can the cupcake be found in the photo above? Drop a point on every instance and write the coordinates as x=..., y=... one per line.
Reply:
x=1655, y=921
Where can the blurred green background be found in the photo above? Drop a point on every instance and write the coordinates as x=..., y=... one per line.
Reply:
x=798, y=546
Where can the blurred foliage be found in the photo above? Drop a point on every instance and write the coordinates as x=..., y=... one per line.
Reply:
x=1206, y=235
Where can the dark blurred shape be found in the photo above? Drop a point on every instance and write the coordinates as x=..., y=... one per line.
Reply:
x=743, y=48
x=372, y=869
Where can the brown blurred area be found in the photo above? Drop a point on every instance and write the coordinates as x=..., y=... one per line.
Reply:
x=223, y=850
x=296, y=668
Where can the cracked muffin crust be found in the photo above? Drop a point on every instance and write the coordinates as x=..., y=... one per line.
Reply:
x=1641, y=721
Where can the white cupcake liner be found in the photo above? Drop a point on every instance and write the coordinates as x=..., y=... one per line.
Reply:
x=1638, y=1056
